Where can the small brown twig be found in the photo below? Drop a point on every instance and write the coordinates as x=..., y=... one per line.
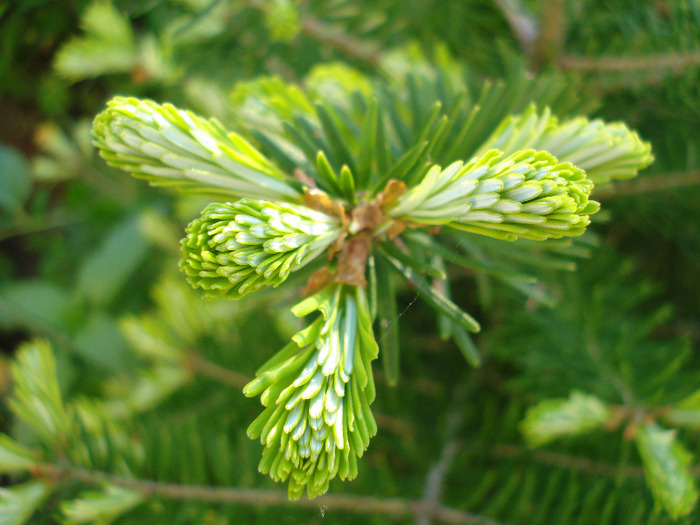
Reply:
x=452, y=445
x=211, y=370
x=331, y=36
x=566, y=461
x=352, y=47
x=552, y=31
x=677, y=63
x=653, y=184
x=524, y=27
x=396, y=507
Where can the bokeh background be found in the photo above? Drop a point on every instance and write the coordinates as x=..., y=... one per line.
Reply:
x=88, y=255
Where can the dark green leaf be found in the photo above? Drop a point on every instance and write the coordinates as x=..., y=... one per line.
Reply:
x=327, y=173
x=15, y=182
x=432, y=297
x=334, y=136
x=36, y=305
x=106, y=272
x=347, y=184
x=403, y=166
x=388, y=322
x=368, y=141
x=452, y=255
x=667, y=469
x=413, y=262
x=384, y=154
x=466, y=345
x=101, y=342
x=554, y=418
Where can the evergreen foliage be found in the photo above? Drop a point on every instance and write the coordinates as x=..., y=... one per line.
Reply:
x=317, y=393
x=427, y=183
x=236, y=248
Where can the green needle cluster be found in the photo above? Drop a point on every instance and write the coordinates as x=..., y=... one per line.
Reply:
x=344, y=166
x=172, y=147
x=605, y=151
x=234, y=249
x=528, y=194
x=317, y=391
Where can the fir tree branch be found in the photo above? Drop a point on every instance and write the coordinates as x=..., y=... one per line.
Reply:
x=650, y=184
x=677, y=63
x=206, y=368
x=232, y=495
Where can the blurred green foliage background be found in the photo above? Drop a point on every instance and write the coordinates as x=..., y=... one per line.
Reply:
x=88, y=256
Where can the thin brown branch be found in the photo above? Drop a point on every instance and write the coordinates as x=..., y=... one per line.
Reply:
x=346, y=44
x=555, y=459
x=27, y=226
x=524, y=28
x=331, y=36
x=675, y=62
x=435, y=481
x=213, y=371
x=687, y=328
x=605, y=370
x=396, y=507
x=435, y=478
x=398, y=426
x=552, y=30
x=650, y=184
x=206, y=368
x=423, y=386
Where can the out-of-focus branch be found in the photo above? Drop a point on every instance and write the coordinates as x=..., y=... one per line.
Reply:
x=435, y=479
x=565, y=461
x=524, y=28
x=650, y=184
x=677, y=63
x=26, y=225
x=331, y=36
x=213, y=371
x=552, y=30
x=346, y=44
x=227, y=495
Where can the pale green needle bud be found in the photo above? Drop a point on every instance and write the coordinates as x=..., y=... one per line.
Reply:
x=14, y=457
x=317, y=391
x=528, y=194
x=36, y=398
x=102, y=506
x=554, y=418
x=19, y=502
x=606, y=151
x=667, y=469
x=236, y=248
x=282, y=19
x=172, y=147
